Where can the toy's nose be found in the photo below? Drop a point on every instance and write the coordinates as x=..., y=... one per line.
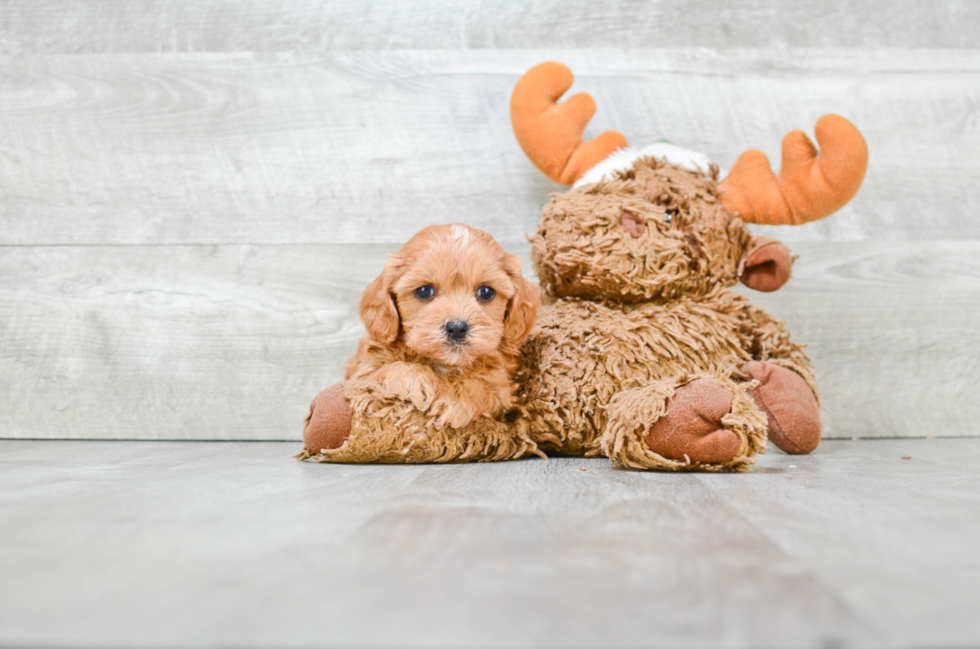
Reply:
x=457, y=330
x=633, y=224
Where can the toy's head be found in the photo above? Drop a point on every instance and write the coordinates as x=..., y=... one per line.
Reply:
x=655, y=223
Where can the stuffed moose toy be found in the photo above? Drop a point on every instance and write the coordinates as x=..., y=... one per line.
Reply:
x=641, y=352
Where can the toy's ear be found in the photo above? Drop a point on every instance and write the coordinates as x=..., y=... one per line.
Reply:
x=522, y=309
x=379, y=312
x=766, y=265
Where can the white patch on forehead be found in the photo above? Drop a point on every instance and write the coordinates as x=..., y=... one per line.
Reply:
x=458, y=237
x=462, y=234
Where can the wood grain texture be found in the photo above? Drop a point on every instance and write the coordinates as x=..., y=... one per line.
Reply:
x=195, y=342
x=194, y=193
x=90, y=26
x=367, y=147
x=232, y=342
x=235, y=545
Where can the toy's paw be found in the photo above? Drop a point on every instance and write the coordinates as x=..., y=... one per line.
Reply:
x=789, y=404
x=328, y=424
x=692, y=429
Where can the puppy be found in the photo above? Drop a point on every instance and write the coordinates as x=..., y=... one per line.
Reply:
x=445, y=321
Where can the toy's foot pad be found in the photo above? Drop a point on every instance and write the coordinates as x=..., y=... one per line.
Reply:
x=789, y=404
x=691, y=428
x=328, y=424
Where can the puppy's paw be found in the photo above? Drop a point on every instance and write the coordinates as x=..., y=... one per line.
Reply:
x=453, y=414
x=409, y=382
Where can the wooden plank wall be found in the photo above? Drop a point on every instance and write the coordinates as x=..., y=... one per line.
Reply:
x=193, y=193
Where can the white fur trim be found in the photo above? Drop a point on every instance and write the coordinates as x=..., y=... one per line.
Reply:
x=623, y=159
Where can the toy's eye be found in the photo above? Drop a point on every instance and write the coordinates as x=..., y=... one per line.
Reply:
x=425, y=292
x=670, y=216
x=485, y=293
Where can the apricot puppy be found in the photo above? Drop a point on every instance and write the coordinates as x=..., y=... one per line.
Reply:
x=444, y=322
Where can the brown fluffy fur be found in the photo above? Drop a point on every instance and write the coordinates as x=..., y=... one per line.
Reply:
x=636, y=317
x=407, y=351
x=638, y=271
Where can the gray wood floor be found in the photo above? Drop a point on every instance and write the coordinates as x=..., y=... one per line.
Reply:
x=192, y=194
x=188, y=544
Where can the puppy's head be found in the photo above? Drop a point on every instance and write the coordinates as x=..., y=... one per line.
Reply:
x=451, y=294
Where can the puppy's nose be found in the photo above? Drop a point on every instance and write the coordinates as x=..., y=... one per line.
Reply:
x=457, y=330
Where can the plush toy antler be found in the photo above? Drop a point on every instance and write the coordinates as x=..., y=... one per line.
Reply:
x=811, y=185
x=551, y=133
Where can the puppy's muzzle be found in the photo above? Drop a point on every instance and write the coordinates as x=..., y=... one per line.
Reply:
x=457, y=330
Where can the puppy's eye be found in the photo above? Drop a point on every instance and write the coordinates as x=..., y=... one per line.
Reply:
x=485, y=293
x=425, y=292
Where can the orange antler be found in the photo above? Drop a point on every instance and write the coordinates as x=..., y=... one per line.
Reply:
x=551, y=133
x=810, y=185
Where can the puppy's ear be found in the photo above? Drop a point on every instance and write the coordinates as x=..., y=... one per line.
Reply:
x=378, y=310
x=522, y=309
